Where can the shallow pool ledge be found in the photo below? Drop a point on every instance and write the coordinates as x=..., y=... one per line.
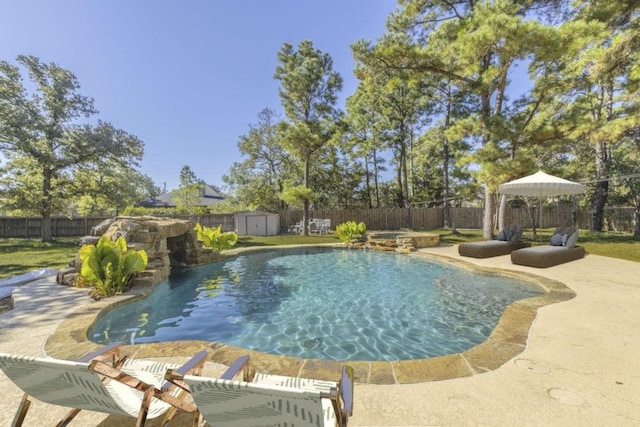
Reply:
x=508, y=339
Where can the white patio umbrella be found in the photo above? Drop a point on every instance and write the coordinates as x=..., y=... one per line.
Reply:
x=541, y=185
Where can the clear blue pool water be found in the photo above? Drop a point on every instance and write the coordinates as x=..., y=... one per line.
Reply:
x=335, y=304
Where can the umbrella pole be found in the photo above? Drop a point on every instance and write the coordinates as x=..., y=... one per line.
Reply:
x=540, y=216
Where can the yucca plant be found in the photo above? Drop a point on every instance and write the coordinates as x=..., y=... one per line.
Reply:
x=108, y=265
x=350, y=232
x=214, y=238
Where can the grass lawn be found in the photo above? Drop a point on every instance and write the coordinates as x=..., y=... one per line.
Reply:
x=19, y=256
x=615, y=245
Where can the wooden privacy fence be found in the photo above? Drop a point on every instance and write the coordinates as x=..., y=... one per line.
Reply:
x=375, y=219
x=31, y=227
x=616, y=219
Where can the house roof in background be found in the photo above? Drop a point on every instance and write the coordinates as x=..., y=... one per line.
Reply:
x=209, y=195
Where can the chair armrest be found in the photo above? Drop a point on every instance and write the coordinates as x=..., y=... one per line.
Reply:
x=193, y=366
x=116, y=374
x=102, y=353
x=148, y=389
x=346, y=390
x=241, y=364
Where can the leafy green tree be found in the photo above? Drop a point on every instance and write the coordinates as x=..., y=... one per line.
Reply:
x=258, y=180
x=474, y=45
x=187, y=196
x=626, y=183
x=598, y=83
x=103, y=191
x=43, y=140
x=308, y=92
x=336, y=178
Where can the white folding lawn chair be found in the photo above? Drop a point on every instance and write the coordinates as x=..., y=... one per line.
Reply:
x=129, y=387
x=269, y=400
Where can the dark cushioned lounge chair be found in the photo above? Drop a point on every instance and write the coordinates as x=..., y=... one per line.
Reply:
x=489, y=248
x=560, y=250
x=546, y=256
x=508, y=241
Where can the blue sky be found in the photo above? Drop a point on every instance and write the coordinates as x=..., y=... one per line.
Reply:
x=186, y=77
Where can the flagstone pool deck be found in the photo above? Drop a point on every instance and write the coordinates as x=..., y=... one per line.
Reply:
x=574, y=362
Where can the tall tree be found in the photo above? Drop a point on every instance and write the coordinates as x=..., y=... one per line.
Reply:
x=364, y=140
x=401, y=105
x=41, y=132
x=308, y=91
x=602, y=83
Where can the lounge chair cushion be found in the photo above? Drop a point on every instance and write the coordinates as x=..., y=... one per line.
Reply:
x=572, y=239
x=516, y=233
x=556, y=240
x=511, y=233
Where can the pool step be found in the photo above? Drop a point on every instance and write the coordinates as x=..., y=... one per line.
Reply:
x=405, y=245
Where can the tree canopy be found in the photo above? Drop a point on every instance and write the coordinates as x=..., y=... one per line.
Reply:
x=49, y=150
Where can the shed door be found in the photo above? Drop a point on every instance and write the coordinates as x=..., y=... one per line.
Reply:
x=256, y=226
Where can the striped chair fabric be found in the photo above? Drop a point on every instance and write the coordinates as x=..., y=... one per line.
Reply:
x=74, y=385
x=271, y=400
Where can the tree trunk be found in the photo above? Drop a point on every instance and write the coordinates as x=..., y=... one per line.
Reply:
x=408, y=223
x=368, y=181
x=305, y=211
x=636, y=222
x=445, y=165
x=375, y=178
x=446, y=212
x=489, y=207
x=602, y=188
x=502, y=212
x=446, y=209
x=46, y=205
x=399, y=197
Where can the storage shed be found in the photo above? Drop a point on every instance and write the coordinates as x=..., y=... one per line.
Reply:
x=257, y=223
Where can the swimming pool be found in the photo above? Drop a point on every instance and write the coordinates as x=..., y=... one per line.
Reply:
x=334, y=304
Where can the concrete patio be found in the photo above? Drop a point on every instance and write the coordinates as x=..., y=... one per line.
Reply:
x=581, y=364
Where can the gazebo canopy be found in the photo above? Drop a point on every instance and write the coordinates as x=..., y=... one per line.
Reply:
x=541, y=184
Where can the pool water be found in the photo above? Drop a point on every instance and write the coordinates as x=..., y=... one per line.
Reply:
x=335, y=304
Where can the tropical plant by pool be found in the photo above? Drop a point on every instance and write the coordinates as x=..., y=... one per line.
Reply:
x=336, y=304
x=109, y=265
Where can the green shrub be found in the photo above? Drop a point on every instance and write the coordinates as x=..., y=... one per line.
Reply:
x=108, y=266
x=350, y=232
x=214, y=238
